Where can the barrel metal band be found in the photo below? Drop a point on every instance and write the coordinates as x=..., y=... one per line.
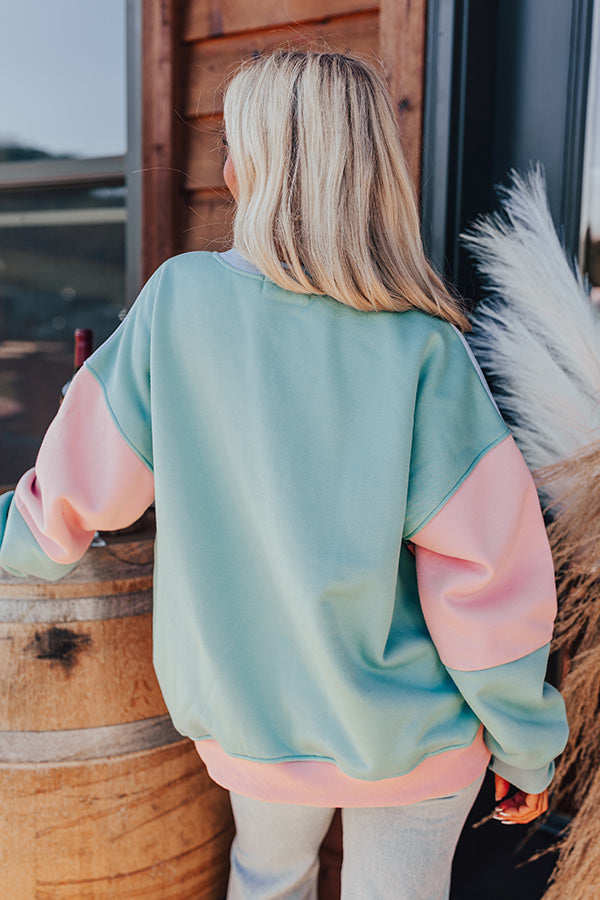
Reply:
x=86, y=743
x=81, y=609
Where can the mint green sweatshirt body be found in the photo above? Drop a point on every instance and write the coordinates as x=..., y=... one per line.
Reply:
x=298, y=449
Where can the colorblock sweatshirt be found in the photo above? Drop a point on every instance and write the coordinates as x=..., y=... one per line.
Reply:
x=353, y=592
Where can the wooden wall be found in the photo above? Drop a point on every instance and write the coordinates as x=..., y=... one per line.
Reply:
x=190, y=46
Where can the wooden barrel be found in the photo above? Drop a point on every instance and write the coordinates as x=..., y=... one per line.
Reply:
x=100, y=796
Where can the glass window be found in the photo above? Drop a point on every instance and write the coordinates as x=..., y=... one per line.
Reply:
x=590, y=201
x=61, y=263
x=63, y=208
x=62, y=70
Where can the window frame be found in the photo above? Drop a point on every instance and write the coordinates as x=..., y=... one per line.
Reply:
x=479, y=105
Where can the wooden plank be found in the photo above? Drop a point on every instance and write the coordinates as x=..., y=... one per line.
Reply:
x=208, y=224
x=403, y=30
x=160, y=140
x=210, y=61
x=213, y=18
x=204, y=154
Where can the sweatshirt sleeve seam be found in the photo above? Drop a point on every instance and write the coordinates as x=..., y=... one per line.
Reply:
x=118, y=425
x=449, y=494
x=545, y=645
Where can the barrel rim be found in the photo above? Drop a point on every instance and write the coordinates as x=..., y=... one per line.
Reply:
x=37, y=610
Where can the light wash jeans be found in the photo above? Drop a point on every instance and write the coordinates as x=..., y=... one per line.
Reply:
x=390, y=853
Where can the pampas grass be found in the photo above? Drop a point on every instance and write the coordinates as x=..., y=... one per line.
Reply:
x=537, y=337
x=574, y=533
x=576, y=875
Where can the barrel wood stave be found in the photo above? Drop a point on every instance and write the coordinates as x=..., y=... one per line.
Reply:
x=149, y=825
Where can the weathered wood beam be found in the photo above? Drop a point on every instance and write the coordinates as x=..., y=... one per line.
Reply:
x=402, y=35
x=160, y=125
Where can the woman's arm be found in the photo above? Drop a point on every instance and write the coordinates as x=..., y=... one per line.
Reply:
x=94, y=470
x=486, y=583
x=86, y=478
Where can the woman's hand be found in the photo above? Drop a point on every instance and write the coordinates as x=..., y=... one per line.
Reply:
x=521, y=808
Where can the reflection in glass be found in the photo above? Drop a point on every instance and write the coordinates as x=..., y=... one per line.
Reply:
x=590, y=201
x=62, y=67
x=61, y=268
x=62, y=245
x=58, y=200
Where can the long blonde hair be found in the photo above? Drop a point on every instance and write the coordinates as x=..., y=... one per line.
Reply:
x=325, y=204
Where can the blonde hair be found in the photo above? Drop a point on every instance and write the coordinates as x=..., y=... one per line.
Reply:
x=325, y=204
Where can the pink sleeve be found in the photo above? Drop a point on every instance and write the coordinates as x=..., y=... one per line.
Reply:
x=87, y=477
x=484, y=567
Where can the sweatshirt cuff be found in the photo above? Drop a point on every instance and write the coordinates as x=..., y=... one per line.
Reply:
x=532, y=781
x=20, y=554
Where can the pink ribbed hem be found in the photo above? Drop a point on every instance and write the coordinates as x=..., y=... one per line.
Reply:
x=310, y=783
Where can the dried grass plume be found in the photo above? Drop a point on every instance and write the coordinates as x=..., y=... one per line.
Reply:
x=537, y=337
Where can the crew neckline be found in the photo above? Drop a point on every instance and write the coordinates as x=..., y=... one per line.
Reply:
x=232, y=259
x=235, y=259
